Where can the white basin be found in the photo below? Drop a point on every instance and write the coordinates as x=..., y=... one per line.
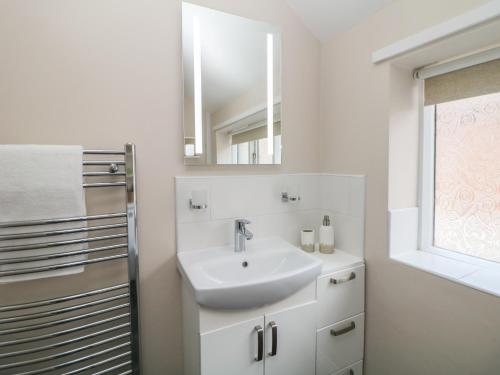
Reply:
x=268, y=271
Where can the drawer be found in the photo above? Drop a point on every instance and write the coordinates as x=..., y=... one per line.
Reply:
x=340, y=295
x=354, y=369
x=340, y=345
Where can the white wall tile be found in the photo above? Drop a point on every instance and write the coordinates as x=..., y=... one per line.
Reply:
x=357, y=196
x=183, y=188
x=335, y=193
x=258, y=198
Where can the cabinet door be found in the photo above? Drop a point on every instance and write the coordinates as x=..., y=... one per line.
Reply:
x=294, y=339
x=233, y=350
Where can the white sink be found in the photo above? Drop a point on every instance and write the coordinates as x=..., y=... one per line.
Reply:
x=268, y=271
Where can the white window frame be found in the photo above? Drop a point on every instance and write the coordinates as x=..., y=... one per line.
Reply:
x=426, y=194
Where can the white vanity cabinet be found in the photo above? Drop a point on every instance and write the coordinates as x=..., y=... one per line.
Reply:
x=319, y=330
x=281, y=343
x=279, y=339
x=340, y=324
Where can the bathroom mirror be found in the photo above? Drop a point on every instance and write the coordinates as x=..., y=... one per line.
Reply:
x=232, y=89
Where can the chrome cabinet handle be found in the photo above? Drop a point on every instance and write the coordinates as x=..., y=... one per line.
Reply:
x=274, y=343
x=352, y=276
x=343, y=330
x=260, y=343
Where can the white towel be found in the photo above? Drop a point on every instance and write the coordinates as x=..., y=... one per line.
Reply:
x=40, y=182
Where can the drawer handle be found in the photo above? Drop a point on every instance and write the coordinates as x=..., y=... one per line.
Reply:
x=274, y=344
x=343, y=330
x=352, y=276
x=260, y=343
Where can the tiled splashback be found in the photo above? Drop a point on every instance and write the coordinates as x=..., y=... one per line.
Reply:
x=258, y=198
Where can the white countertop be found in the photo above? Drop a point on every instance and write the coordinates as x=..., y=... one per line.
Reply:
x=337, y=261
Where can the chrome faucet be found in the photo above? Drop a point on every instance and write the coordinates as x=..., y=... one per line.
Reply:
x=241, y=234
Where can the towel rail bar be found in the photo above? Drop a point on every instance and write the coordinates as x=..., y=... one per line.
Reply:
x=81, y=359
x=105, y=184
x=93, y=331
x=62, y=220
x=64, y=354
x=52, y=301
x=65, y=331
x=36, y=258
x=45, y=245
x=103, y=152
x=43, y=314
x=59, y=232
x=56, y=267
x=108, y=370
x=66, y=342
x=97, y=364
x=102, y=162
x=53, y=323
x=102, y=174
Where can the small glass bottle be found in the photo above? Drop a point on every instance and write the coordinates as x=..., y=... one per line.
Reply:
x=326, y=237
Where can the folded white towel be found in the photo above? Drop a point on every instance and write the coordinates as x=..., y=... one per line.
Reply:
x=40, y=182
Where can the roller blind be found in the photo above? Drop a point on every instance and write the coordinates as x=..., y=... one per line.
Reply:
x=481, y=79
x=254, y=134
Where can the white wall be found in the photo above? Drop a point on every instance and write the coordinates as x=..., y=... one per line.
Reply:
x=103, y=72
x=416, y=323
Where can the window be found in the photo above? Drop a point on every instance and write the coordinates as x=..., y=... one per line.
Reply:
x=461, y=164
x=255, y=152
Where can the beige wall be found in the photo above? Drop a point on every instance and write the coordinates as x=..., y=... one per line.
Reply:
x=416, y=323
x=103, y=72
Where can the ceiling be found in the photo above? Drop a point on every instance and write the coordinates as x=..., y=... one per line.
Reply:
x=325, y=18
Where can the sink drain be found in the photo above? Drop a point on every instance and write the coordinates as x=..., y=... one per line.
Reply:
x=244, y=264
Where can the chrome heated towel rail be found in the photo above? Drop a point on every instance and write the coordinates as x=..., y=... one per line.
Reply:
x=87, y=332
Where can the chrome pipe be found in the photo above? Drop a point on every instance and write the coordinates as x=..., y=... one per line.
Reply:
x=52, y=301
x=62, y=220
x=133, y=255
x=33, y=327
x=59, y=232
x=44, y=245
x=61, y=255
x=126, y=372
x=64, y=354
x=55, y=267
x=108, y=370
x=66, y=342
x=43, y=314
x=63, y=332
x=104, y=184
x=79, y=360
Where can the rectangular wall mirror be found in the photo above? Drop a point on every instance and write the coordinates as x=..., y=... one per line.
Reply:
x=232, y=89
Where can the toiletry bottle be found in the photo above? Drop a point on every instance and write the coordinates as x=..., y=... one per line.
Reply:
x=326, y=237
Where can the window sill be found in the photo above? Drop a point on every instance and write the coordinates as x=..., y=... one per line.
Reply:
x=485, y=280
x=403, y=227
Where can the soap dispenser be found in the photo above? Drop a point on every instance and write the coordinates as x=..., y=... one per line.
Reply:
x=326, y=237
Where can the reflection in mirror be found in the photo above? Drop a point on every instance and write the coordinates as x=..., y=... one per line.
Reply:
x=232, y=89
